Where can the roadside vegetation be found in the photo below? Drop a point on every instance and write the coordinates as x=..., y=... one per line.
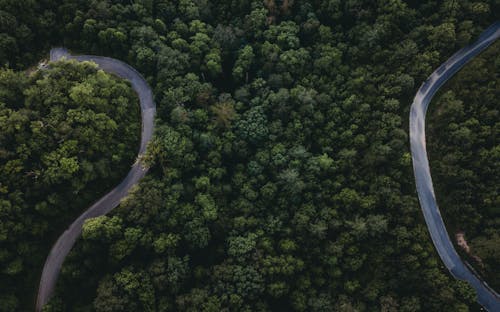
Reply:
x=464, y=133
x=67, y=135
x=281, y=176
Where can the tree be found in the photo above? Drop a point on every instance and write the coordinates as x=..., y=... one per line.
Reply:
x=213, y=62
x=243, y=63
x=253, y=125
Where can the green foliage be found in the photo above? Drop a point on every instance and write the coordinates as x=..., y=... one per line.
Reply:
x=464, y=128
x=65, y=139
x=280, y=176
x=243, y=63
x=253, y=125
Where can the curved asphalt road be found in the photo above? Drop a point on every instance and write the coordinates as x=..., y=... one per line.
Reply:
x=66, y=241
x=486, y=296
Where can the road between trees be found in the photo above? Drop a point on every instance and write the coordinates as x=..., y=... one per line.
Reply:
x=486, y=296
x=112, y=199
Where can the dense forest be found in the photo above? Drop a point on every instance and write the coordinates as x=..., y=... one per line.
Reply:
x=280, y=178
x=464, y=127
x=67, y=134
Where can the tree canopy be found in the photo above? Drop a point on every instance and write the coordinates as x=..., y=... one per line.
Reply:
x=67, y=135
x=280, y=172
x=463, y=141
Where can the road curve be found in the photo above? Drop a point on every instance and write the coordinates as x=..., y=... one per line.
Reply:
x=486, y=296
x=104, y=205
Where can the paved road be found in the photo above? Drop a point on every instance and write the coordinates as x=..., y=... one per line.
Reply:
x=486, y=296
x=66, y=241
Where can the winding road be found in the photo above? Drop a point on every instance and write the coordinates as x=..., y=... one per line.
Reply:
x=111, y=200
x=486, y=296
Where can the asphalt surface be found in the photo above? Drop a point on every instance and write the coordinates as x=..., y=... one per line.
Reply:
x=486, y=296
x=111, y=200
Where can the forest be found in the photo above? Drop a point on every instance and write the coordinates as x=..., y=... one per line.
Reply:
x=280, y=172
x=67, y=134
x=464, y=127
